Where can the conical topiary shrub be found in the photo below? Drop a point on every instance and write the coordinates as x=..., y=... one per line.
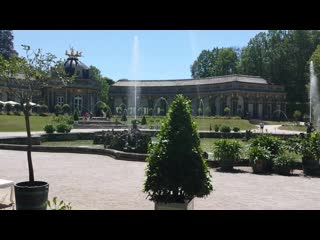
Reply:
x=176, y=171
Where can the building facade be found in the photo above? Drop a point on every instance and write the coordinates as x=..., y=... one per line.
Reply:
x=245, y=96
x=81, y=94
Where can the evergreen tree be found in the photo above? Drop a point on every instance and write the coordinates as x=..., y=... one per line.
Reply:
x=176, y=170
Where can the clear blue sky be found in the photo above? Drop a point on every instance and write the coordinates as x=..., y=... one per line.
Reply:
x=159, y=54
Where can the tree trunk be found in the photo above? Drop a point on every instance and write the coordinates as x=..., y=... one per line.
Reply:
x=30, y=166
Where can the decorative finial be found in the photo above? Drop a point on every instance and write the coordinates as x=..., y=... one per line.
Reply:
x=72, y=54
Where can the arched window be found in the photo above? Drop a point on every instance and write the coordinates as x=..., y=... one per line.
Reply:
x=78, y=102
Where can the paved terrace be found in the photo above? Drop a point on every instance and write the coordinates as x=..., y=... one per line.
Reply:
x=100, y=182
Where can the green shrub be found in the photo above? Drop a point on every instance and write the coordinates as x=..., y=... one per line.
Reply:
x=308, y=146
x=140, y=111
x=176, y=170
x=49, y=128
x=1, y=106
x=57, y=109
x=143, y=121
x=124, y=118
x=225, y=129
x=18, y=113
x=70, y=121
x=150, y=111
x=17, y=108
x=162, y=112
x=273, y=144
x=76, y=115
x=117, y=143
x=297, y=115
x=8, y=107
x=283, y=164
x=66, y=108
x=63, y=128
x=226, y=111
x=227, y=152
x=44, y=114
x=121, y=109
x=58, y=206
x=208, y=111
x=63, y=119
x=216, y=127
x=108, y=112
x=101, y=107
x=259, y=158
x=44, y=108
x=236, y=129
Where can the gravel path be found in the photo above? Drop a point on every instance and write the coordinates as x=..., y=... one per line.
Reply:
x=100, y=182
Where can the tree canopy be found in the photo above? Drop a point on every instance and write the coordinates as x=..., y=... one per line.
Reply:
x=104, y=81
x=23, y=77
x=215, y=63
x=316, y=61
x=6, y=44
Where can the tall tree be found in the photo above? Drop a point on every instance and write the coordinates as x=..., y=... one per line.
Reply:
x=226, y=62
x=253, y=56
x=204, y=65
x=282, y=57
x=6, y=44
x=104, y=81
x=316, y=61
x=24, y=76
x=215, y=63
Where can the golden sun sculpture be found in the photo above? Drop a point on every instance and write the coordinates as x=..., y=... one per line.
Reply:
x=72, y=54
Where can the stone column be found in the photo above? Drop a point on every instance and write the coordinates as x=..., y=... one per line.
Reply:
x=52, y=101
x=255, y=107
x=245, y=106
x=48, y=96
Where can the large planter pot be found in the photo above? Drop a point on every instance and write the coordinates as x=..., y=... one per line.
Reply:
x=260, y=166
x=31, y=195
x=310, y=166
x=226, y=165
x=175, y=206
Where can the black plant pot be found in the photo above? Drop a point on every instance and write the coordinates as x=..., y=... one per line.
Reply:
x=310, y=167
x=31, y=195
x=226, y=164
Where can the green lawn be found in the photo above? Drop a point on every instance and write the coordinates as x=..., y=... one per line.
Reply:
x=203, y=123
x=13, y=123
x=78, y=143
x=278, y=123
x=294, y=128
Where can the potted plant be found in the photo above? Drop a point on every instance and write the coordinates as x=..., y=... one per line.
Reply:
x=176, y=171
x=23, y=77
x=227, y=152
x=258, y=158
x=272, y=144
x=284, y=164
x=308, y=146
